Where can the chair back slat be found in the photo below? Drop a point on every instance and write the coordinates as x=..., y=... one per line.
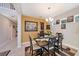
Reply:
x=60, y=37
x=31, y=45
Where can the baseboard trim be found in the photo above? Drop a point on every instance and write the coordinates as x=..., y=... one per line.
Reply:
x=71, y=46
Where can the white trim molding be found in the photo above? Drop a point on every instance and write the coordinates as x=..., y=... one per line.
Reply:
x=19, y=30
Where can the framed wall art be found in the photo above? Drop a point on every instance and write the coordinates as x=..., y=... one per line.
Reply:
x=31, y=26
x=63, y=26
x=48, y=27
x=70, y=19
x=76, y=18
x=64, y=21
x=57, y=21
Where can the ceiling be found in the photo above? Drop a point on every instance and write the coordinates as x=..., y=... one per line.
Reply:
x=41, y=9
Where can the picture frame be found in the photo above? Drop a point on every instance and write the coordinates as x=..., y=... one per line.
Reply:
x=64, y=21
x=48, y=27
x=76, y=18
x=63, y=26
x=70, y=19
x=57, y=21
x=31, y=26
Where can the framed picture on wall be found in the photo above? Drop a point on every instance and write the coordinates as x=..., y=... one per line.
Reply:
x=70, y=19
x=31, y=26
x=64, y=21
x=48, y=27
x=41, y=25
x=57, y=21
x=63, y=26
x=76, y=17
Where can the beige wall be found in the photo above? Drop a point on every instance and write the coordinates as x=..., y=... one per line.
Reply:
x=71, y=33
x=68, y=13
x=6, y=32
x=25, y=35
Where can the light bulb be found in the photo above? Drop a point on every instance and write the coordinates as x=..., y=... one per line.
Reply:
x=51, y=19
x=46, y=19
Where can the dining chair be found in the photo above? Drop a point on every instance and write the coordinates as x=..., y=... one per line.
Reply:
x=50, y=48
x=54, y=43
x=59, y=38
x=34, y=48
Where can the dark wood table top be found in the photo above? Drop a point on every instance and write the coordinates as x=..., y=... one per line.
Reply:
x=42, y=42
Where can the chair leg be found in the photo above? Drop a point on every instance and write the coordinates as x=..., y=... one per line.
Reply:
x=61, y=47
x=54, y=52
x=31, y=51
x=41, y=52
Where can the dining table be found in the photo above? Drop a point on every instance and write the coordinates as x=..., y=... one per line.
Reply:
x=42, y=42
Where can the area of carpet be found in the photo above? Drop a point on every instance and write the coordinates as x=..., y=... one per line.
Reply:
x=4, y=53
x=67, y=51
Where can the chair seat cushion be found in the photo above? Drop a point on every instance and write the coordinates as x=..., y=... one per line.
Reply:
x=50, y=47
x=35, y=47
